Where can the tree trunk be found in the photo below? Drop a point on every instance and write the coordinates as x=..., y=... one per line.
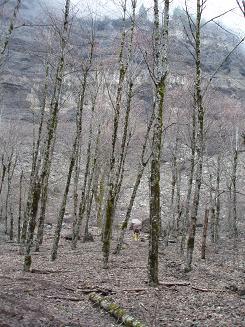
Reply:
x=20, y=208
x=160, y=58
x=10, y=29
x=204, y=235
x=186, y=218
x=50, y=140
x=200, y=140
x=217, y=201
x=140, y=172
x=112, y=186
x=234, y=194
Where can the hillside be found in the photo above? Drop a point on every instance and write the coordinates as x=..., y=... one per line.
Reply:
x=24, y=67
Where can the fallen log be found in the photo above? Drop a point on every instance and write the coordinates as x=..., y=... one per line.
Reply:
x=115, y=310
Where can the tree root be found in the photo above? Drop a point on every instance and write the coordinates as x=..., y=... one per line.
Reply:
x=115, y=310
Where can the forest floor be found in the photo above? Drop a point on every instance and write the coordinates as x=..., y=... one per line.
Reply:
x=57, y=294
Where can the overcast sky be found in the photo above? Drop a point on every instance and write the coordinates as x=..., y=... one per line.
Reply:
x=234, y=20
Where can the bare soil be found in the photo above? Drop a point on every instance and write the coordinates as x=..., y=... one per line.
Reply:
x=57, y=294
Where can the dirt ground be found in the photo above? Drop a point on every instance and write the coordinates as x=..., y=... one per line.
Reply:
x=57, y=294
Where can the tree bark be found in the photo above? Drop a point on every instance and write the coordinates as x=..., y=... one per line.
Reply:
x=140, y=171
x=200, y=139
x=204, y=235
x=113, y=173
x=50, y=140
x=160, y=59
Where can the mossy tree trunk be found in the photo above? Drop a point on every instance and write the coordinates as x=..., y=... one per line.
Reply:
x=116, y=173
x=186, y=218
x=38, y=181
x=234, y=193
x=217, y=200
x=160, y=56
x=11, y=165
x=74, y=155
x=4, y=168
x=82, y=204
x=99, y=194
x=140, y=171
x=204, y=235
x=20, y=208
x=199, y=138
x=90, y=193
x=36, y=162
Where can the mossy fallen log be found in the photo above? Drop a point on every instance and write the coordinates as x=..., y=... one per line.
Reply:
x=115, y=310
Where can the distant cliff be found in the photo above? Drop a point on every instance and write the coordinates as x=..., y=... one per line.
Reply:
x=23, y=67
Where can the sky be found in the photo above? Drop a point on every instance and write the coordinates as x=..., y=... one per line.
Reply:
x=234, y=20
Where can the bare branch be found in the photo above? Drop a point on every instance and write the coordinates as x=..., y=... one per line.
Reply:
x=218, y=16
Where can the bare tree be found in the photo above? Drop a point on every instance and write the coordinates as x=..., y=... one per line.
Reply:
x=200, y=134
x=6, y=38
x=42, y=181
x=160, y=57
x=116, y=172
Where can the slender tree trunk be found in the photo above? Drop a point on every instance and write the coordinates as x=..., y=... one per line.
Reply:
x=49, y=144
x=140, y=172
x=178, y=205
x=10, y=172
x=229, y=210
x=160, y=59
x=31, y=227
x=186, y=219
x=212, y=223
x=11, y=229
x=82, y=206
x=200, y=140
x=90, y=193
x=234, y=194
x=204, y=235
x=99, y=199
x=10, y=30
x=20, y=208
x=217, y=201
x=112, y=187
x=3, y=175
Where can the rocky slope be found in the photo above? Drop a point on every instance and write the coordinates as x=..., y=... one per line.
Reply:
x=23, y=67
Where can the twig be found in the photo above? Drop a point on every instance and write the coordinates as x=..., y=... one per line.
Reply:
x=46, y=272
x=73, y=299
x=174, y=283
x=206, y=289
x=135, y=290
